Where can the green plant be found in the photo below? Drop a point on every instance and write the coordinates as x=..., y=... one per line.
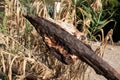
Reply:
x=93, y=21
x=26, y=4
x=3, y=27
x=50, y=10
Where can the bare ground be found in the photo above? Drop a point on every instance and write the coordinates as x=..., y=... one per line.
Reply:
x=112, y=56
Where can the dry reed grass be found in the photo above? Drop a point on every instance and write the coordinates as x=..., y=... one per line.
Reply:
x=101, y=48
x=20, y=61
